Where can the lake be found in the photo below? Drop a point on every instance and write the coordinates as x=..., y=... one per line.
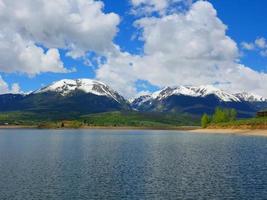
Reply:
x=121, y=164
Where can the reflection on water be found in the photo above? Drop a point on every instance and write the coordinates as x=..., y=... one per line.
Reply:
x=102, y=164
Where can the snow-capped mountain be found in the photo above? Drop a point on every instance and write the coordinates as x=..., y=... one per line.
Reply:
x=84, y=96
x=244, y=96
x=67, y=98
x=201, y=91
x=197, y=100
x=141, y=100
x=67, y=86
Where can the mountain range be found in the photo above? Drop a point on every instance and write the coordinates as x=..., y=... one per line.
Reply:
x=199, y=100
x=84, y=96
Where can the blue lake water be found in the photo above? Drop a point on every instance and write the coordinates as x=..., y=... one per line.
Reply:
x=103, y=164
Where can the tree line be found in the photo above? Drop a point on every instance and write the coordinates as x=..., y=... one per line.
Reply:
x=220, y=115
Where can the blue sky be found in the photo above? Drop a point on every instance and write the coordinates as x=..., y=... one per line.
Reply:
x=245, y=21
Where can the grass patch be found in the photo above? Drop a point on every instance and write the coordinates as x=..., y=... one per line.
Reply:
x=137, y=119
x=108, y=119
x=253, y=123
x=19, y=118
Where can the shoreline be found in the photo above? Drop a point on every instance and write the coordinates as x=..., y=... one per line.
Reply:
x=189, y=129
x=17, y=127
x=245, y=132
x=181, y=128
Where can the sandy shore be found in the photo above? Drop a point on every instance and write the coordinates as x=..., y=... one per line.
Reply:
x=248, y=132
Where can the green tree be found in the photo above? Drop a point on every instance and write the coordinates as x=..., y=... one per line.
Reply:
x=224, y=115
x=205, y=120
x=233, y=115
x=219, y=115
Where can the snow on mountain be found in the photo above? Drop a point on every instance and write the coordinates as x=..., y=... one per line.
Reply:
x=244, y=96
x=141, y=100
x=221, y=94
x=201, y=91
x=66, y=86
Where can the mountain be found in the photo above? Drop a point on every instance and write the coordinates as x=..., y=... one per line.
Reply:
x=68, y=87
x=8, y=101
x=67, y=97
x=258, y=102
x=244, y=96
x=198, y=100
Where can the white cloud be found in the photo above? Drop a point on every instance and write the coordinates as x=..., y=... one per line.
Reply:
x=18, y=55
x=15, y=88
x=261, y=42
x=4, y=87
x=246, y=79
x=263, y=53
x=77, y=26
x=189, y=48
x=259, y=45
x=247, y=46
x=118, y=72
x=157, y=3
x=161, y=6
x=151, y=5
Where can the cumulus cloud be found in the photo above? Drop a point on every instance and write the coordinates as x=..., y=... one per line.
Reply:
x=28, y=27
x=18, y=55
x=189, y=48
x=15, y=88
x=244, y=78
x=263, y=53
x=259, y=45
x=160, y=6
x=153, y=4
x=4, y=87
x=247, y=46
x=119, y=72
x=261, y=42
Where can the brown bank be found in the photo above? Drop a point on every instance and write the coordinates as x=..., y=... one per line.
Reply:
x=248, y=132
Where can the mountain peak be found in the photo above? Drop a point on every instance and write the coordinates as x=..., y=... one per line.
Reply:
x=66, y=86
x=244, y=96
x=201, y=91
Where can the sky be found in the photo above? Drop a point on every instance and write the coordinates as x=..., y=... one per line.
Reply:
x=134, y=46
